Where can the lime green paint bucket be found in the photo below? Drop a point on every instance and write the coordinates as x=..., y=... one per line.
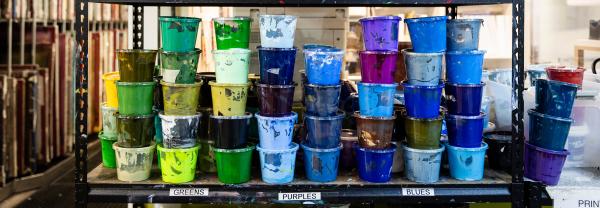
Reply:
x=108, y=153
x=179, y=67
x=180, y=99
x=232, y=32
x=135, y=98
x=233, y=165
x=179, y=33
x=229, y=99
x=231, y=65
x=178, y=165
x=136, y=65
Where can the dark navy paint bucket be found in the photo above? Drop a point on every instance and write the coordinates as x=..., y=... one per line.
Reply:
x=465, y=131
x=464, y=99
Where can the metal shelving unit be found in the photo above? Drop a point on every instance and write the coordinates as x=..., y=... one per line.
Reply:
x=101, y=185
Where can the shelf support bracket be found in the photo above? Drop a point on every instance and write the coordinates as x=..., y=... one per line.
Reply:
x=518, y=86
x=81, y=105
x=138, y=27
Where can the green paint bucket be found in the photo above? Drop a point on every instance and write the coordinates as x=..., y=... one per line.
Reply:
x=135, y=131
x=108, y=153
x=206, y=157
x=231, y=65
x=133, y=164
x=135, y=98
x=233, y=165
x=423, y=133
x=179, y=33
x=179, y=67
x=229, y=99
x=180, y=99
x=178, y=165
x=136, y=65
x=232, y=32
x=109, y=120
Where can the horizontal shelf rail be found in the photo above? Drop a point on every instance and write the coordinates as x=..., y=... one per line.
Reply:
x=308, y=3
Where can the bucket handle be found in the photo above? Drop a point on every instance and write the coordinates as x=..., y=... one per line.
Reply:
x=596, y=62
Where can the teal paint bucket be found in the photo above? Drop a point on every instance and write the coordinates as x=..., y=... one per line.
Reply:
x=466, y=163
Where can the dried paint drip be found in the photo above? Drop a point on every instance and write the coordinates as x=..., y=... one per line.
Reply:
x=323, y=65
x=229, y=99
x=321, y=165
x=180, y=131
x=133, y=164
x=277, y=31
x=374, y=132
x=179, y=67
x=376, y=99
x=463, y=34
x=381, y=33
x=232, y=32
x=275, y=133
x=277, y=166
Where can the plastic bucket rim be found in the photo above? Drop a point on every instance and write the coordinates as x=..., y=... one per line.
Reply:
x=316, y=45
x=294, y=84
x=356, y=114
x=323, y=86
x=307, y=148
x=440, y=85
x=378, y=52
x=163, y=116
x=248, y=148
x=533, y=112
x=232, y=51
x=260, y=48
x=292, y=115
x=392, y=148
x=149, y=148
x=556, y=82
x=564, y=152
x=247, y=115
x=489, y=136
x=338, y=115
x=207, y=141
x=480, y=116
x=386, y=17
x=464, y=20
x=104, y=105
x=169, y=84
x=120, y=83
x=439, y=118
x=482, y=84
x=111, y=76
x=425, y=19
x=430, y=151
x=101, y=136
x=243, y=18
x=410, y=52
x=195, y=51
x=291, y=148
x=392, y=85
x=214, y=83
x=470, y=52
x=277, y=15
x=179, y=19
x=323, y=51
x=118, y=115
x=136, y=51
x=161, y=148
x=484, y=146
x=565, y=69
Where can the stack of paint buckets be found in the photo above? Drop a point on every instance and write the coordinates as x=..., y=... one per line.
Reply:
x=178, y=152
x=375, y=119
x=277, y=56
x=108, y=135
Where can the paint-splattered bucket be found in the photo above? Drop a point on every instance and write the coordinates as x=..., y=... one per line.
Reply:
x=555, y=98
x=276, y=65
x=380, y=33
x=180, y=99
x=321, y=100
x=463, y=34
x=136, y=65
x=316, y=46
x=376, y=99
x=535, y=74
x=323, y=132
x=275, y=100
x=179, y=67
x=398, y=164
x=323, y=65
x=135, y=98
x=229, y=132
x=464, y=99
x=233, y=165
x=133, y=164
x=548, y=132
x=110, y=88
x=422, y=166
x=135, y=131
x=180, y=131
x=374, y=132
x=232, y=32
x=544, y=165
x=206, y=157
x=158, y=135
x=464, y=67
x=499, y=152
x=178, y=165
x=423, y=133
x=466, y=163
x=108, y=153
x=573, y=75
x=321, y=165
x=465, y=131
x=275, y=133
x=277, y=31
x=179, y=33
x=229, y=99
x=347, y=156
x=423, y=101
x=231, y=65
x=423, y=69
x=378, y=66
x=375, y=165
x=109, y=120
x=427, y=34
x=277, y=165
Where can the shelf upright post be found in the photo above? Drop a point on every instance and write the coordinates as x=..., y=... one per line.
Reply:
x=81, y=87
x=452, y=11
x=138, y=26
x=518, y=71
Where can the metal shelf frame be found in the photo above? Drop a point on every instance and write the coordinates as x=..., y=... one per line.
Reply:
x=512, y=191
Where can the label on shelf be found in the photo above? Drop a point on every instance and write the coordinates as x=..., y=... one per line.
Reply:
x=418, y=192
x=302, y=196
x=188, y=192
x=576, y=198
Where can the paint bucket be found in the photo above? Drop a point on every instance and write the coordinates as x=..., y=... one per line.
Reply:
x=229, y=99
x=231, y=65
x=275, y=133
x=277, y=165
x=465, y=131
x=464, y=99
x=321, y=165
x=423, y=101
x=178, y=165
x=109, y=120
x=158, y=98
x=499, y=152
x=276, y=65
x=108, y=153
x=427, y=34
x=179, y=33
x=486, y=105
x=135, y=131
x=110, y=88
x=423, y=133
x=133, y=164
x=204, y=120
x=323, y=65
x=376, y=99
x=423, y=69
x=399, y=129
x=206, y=157
x=180, y=131
x=321, y=100
x=277, y=31
x=232, y=32
x=374, y=132
x=378, y=66
x=347, y=155
x=380, y=33
x=323, y=132
x=463, y=34
x=317, y=46
x=135, y=98
x=398, y=164
x=233, y=165
x=544, y=165
x=229, y=132
x=466, y=164
x=548, y=132
x=573, y=75
x=205, y=97
x=179, y=67
x=275, y=100
x=535, y=74
x=375, y=165
x=555, y=98
x=464, y=67
x=180, y=99
x=422, y=166
x=136, y=65
x=158, y=135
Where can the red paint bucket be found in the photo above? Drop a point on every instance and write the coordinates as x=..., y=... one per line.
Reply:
x=572, y=75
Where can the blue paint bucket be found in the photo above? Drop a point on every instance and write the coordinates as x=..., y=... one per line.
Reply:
x=422, y=166
x=464, y=67
x=375, y=165
x=555, y=98
x=427, y=34
x=277, y=166
x=321, y=100
x=376, y=100
x=276, y=65
x=423, y=68
x=422, y=101
x=464, y=99
x=535, y=74
x=548, y=132
x=465, y=131
x=323, y=132
x=467, y=163
x=321, y=165
x=463, y=34
x=275, y=133
x=323, y=65
x=313, y=46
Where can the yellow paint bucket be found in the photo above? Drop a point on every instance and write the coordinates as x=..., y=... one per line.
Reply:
x=229, y=99
x=110, y=87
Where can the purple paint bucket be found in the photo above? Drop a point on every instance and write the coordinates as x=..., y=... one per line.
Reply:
x=378, y=66
x=544, y=165
x=380, y=33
